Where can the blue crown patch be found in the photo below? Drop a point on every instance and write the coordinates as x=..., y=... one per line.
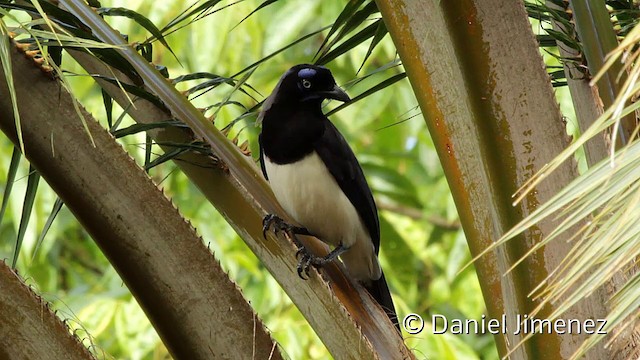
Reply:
x=306, y=73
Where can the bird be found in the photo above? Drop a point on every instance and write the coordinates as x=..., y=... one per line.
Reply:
x=318, y=181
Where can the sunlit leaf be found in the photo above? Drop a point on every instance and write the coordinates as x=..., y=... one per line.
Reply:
x=269, y=56
x=169, y=155
x=203, y=10
x=349, y=44
x=66, y=40
x=132, y=89
x=57, y=206
x=140, y=19
x=381, y=32
x=261, y=6
x=348, y=12
x=137, y=128
x=5, y=58
x=385, y=83
x=27, y=207
x=11, y=178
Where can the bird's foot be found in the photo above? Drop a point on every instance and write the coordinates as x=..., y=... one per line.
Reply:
x=272, y=220
x=280, y=225
x=308, y=259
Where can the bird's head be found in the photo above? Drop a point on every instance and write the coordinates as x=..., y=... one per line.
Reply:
x=306, y=83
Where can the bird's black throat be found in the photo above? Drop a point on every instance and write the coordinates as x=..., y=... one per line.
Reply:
x=289, y=133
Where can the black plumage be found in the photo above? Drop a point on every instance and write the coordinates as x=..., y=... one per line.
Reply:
x=297, y=137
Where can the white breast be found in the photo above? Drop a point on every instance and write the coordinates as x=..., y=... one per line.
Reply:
x=311, y=196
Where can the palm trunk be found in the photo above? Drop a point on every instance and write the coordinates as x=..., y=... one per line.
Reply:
x=585, y=99
x=29, y=329
x=198, y=312
x=489, y=106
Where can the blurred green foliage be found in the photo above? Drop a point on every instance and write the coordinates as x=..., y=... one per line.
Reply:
x=423, y=247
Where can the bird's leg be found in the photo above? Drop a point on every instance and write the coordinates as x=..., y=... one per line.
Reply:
x=279, y=225
x=308, y=259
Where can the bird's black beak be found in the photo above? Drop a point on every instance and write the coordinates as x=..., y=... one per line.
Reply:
x=337, y=93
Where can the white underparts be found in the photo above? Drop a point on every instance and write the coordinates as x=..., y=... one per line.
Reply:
x=311, y=196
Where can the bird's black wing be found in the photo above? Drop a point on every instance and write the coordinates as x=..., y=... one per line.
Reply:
x=264, y=170
x=343, y=165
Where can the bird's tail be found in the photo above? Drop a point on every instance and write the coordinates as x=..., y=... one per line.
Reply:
x=379, y=290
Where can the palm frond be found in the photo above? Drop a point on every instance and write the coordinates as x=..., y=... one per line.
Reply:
x=351, y=17
x=11, y=178
x=374, y=89
x=348, y=44
x=8, y=73
x=27, y=207
x=380, y=33
x=260, y=7
x=57, y=206
x=606, y=201
x=142, y=21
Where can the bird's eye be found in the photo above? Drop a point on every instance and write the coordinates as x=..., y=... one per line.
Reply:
x=306, y=83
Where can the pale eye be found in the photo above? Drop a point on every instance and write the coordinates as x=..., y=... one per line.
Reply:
x=306, y=83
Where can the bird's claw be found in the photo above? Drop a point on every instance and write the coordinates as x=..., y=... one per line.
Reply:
x=274, y=221
x=307, y=260
x=280, y=225
x=303, y=267
x=266, y=224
